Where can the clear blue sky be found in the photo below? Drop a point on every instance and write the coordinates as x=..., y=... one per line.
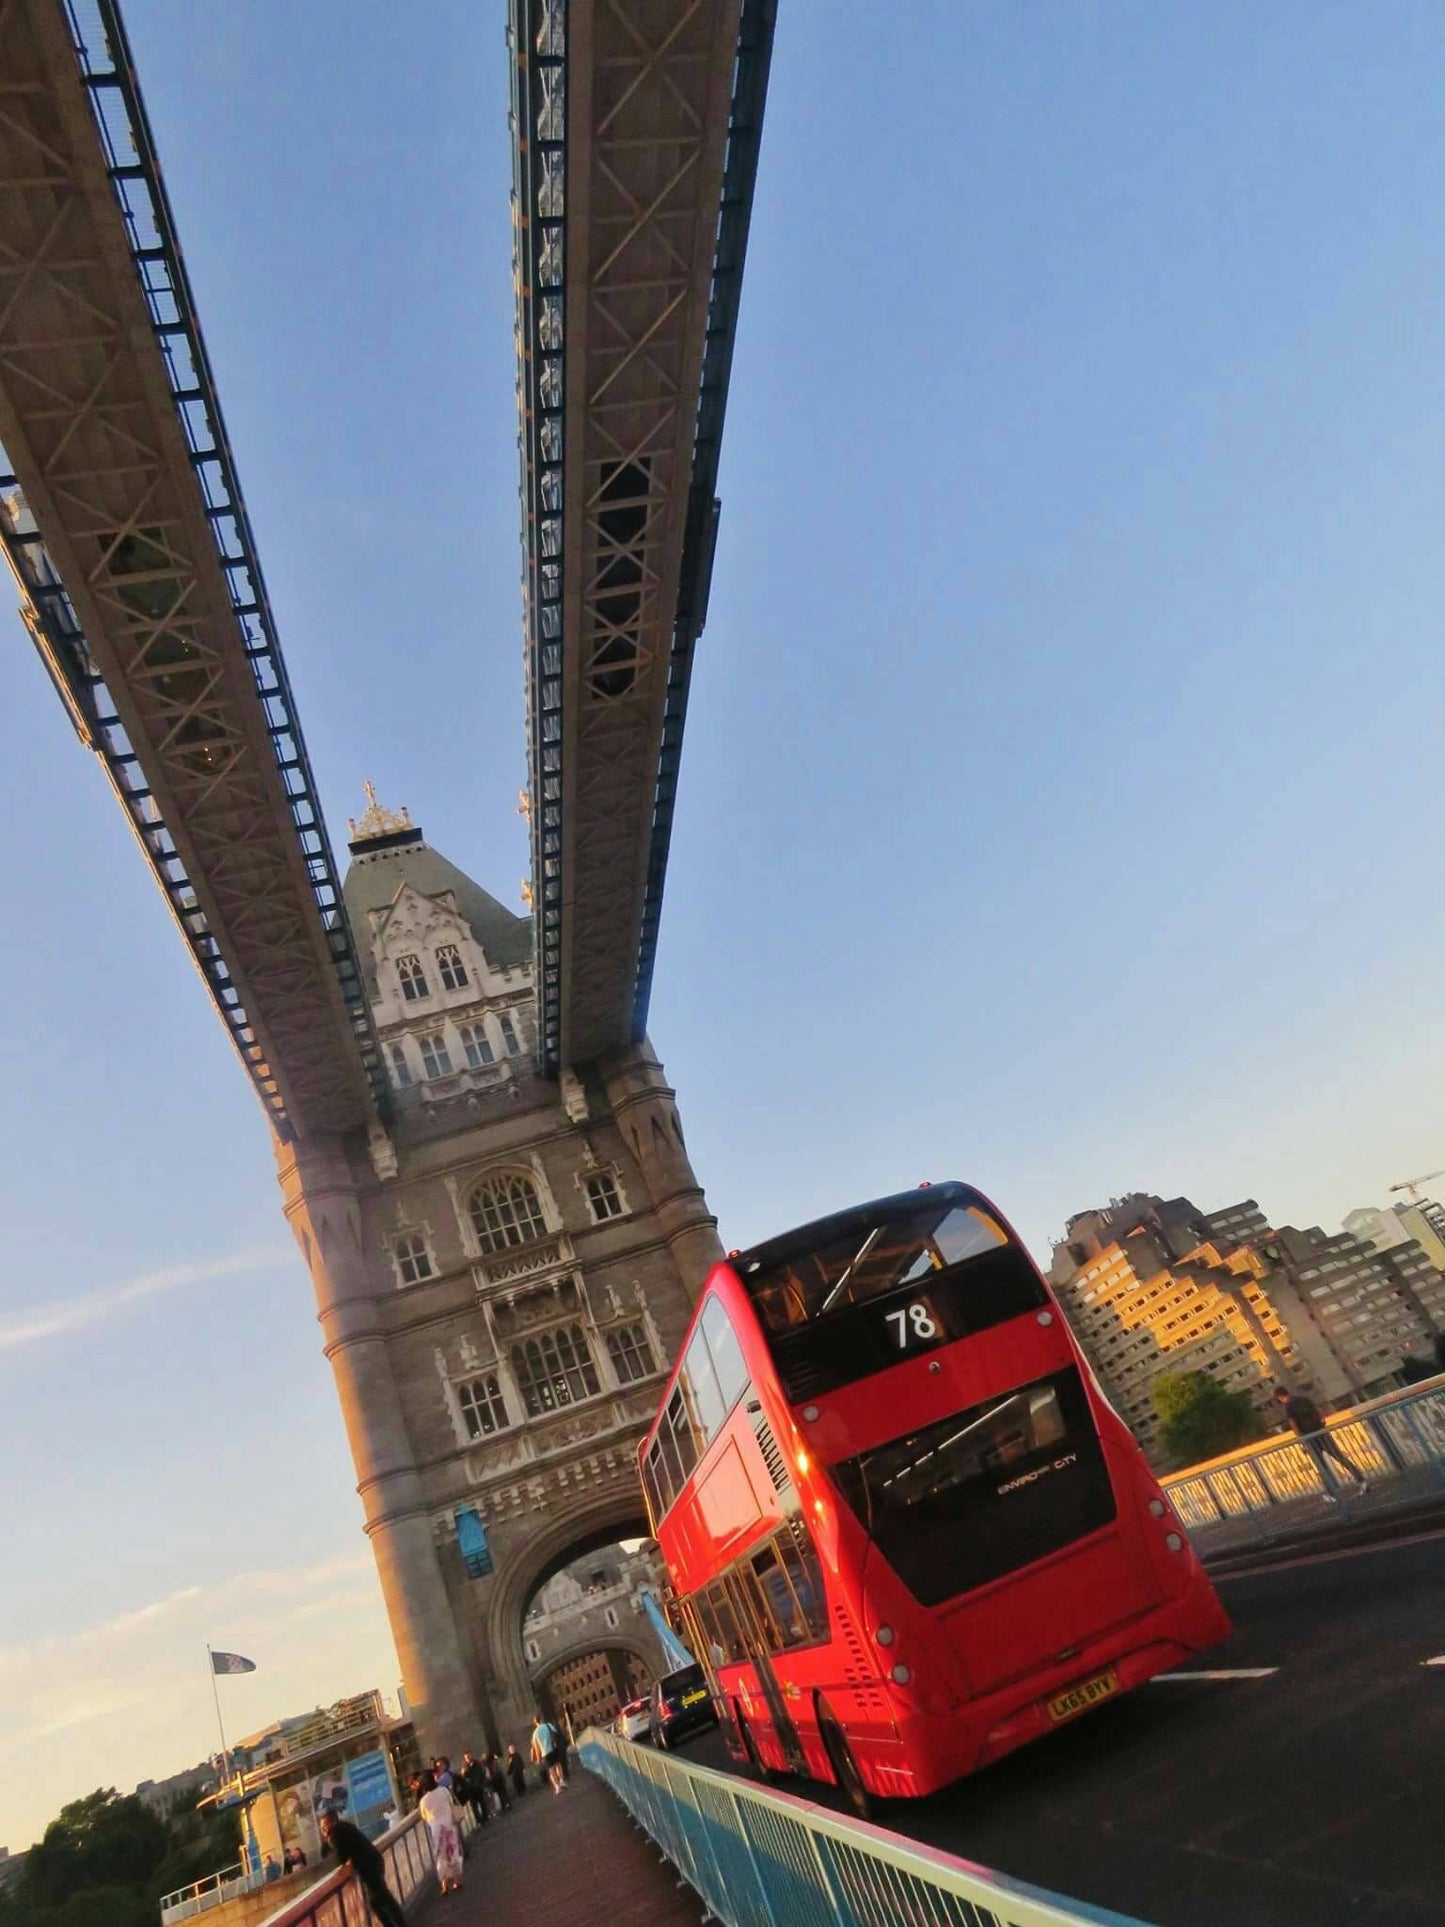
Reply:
x=1061, y=796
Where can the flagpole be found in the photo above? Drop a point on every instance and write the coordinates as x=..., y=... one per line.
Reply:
x=220, y=1725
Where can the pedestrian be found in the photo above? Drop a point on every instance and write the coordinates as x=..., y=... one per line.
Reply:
x=496, y=1781
x=443, y=1823
x=516, y=1772
x=1308, y=1425
x=353, y=1849
x=544, y=1752
x=471, y=1786
x=442, y=1773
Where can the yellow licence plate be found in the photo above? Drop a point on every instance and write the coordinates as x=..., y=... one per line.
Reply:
x=1088, y=1692
x=693, y=1699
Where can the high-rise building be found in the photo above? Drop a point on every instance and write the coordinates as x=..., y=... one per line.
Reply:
x=1373, y=1307
x=1422, y=1223
x=1147, y=1291
x=1153, y=1285
x=503, y=1273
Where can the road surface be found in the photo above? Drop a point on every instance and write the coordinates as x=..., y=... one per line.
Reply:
x=1305, y=1792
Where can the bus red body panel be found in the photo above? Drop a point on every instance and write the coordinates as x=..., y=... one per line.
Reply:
x=948, y=1553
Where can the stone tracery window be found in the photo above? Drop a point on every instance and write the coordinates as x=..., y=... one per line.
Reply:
x=477, y=1045
x=435, y=1057
x=554, y=1369
x=413, y=979
x=453, y=970
x=413, y=1257
x=603, y=1197
x=484, y=1410
x=630, y=1352
x=506, y=1211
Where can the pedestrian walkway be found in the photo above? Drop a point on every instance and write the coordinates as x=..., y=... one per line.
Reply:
x=570, y=1858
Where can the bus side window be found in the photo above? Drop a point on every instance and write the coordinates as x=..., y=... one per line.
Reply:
x=678, y=1426
x=729, y=1637
x=655, y=1508
x=701, y=1381
x=795, y=1548
x=727, y=1354
x=772, y=1582
x=695, y=1630
x=712, y=1652
x=754, y=1623
x=667, y=1471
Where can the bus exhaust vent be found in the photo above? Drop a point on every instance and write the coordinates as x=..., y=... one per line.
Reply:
x=772, y=1455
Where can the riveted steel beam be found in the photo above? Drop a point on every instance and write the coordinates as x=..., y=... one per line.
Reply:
x=636, y=128
x=123, y=521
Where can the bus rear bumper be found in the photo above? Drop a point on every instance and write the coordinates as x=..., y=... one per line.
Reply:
x=941, y=1748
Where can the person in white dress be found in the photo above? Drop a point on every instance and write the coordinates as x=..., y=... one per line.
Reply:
x=444, y=1824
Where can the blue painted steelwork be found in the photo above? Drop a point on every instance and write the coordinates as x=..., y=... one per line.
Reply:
x=740, y=169
x=673, y=1650
x=539, y=118
x=539, y=94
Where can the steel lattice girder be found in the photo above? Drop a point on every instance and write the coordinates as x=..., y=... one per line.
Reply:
x=637, y=125
x=124, y=524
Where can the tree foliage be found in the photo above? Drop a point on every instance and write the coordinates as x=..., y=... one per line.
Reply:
x=1199, y=1419
x=105, y=1861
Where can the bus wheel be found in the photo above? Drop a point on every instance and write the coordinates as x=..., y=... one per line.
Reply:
x=845, y=1767
x=750, y=1747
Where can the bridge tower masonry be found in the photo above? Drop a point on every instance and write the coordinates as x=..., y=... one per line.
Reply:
x=503, y=1274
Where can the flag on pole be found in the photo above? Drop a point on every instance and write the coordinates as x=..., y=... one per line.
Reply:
x=231, y=1663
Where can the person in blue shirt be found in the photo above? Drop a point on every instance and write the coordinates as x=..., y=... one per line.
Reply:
x=545, y=1752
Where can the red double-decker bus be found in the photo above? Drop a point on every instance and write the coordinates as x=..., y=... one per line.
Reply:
x=906, y=1531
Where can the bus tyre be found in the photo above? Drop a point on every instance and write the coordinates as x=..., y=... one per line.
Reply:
x=845, y=1767
x=750, y=1747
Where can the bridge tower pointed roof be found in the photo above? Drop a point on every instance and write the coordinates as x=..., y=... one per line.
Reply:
x=389, y=851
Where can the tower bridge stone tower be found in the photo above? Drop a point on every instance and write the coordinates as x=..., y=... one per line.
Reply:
x=503, y=1275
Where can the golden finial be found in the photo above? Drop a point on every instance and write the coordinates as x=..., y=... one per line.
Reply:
x=527, y=891
x=524, y=805
x=377, y=820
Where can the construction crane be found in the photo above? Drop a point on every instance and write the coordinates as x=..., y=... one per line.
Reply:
x=1412, y=1185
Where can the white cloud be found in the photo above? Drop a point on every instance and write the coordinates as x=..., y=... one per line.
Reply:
x=130, y=1699
x=39, y=1322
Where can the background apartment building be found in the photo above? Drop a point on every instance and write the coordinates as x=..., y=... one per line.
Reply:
x=1153, y=1285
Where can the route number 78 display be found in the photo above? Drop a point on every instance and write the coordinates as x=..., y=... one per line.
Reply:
x=914, y=1324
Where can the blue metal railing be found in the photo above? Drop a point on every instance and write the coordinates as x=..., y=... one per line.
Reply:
x=764, y=1859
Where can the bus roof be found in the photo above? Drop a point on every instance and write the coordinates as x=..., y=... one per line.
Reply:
x=808, y=1237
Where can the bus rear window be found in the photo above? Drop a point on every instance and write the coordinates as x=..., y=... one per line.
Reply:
x=869, y=1261
x=981, y=1493
x=906, y=1282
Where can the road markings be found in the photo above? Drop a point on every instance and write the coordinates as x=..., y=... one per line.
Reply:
x=1241, y=1672
x=1439, y=1660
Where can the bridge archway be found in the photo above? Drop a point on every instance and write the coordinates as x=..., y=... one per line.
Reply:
x=622, y=1663
x=587, y=1526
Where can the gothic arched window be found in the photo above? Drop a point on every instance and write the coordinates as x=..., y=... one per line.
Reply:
x=413, y=978
x=453, y=970
x=506, y=1211
x=555, y=1369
